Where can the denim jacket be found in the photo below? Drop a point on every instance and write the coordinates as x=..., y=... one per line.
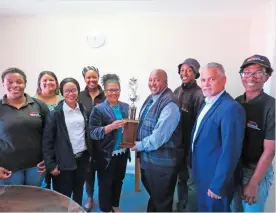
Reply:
x=102, y=115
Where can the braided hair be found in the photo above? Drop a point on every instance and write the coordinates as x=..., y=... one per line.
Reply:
x=87, y=68
x=110, y=78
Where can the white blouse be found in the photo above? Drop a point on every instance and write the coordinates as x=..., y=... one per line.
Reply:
x=74, y=121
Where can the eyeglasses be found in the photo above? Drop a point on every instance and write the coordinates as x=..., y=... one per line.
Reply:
x=67, y=91
x=111, y=91
x=257, y=74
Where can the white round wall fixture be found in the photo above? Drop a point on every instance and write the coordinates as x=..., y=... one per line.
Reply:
x=95, y=41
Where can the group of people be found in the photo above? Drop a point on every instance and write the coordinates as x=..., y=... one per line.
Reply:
x=195, y=138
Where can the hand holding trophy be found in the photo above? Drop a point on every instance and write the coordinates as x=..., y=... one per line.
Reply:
x=131, y=125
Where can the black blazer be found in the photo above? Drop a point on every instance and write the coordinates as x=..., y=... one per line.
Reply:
x=56, y=146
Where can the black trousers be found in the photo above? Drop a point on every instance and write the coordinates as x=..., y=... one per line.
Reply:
x=182, y=188
x=68, y=182
x=160, y=183
x=90, y=178
x=48, y=180
x=111, y=181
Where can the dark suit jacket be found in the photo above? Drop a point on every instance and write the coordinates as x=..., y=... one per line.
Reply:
x=218, y=145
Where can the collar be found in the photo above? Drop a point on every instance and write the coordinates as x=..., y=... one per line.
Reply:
x=29, y=99
x=155, y=97
x=214, y=99
x=190, y=84
x=107, y=102
x=254, y=99
x=87, y=91
x=66, y=108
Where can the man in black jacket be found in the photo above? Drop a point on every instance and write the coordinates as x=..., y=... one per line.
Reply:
x=191, y=99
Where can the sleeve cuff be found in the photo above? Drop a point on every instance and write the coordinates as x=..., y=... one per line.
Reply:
x=139, y=146
x=101, y=133
x=51, y=167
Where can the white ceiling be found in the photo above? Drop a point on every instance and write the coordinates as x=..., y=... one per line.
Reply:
x=62, y=7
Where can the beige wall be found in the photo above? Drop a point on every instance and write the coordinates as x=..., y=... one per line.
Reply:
x=135, y=45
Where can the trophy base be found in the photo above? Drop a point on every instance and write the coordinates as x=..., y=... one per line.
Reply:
x=130, y=133
x=127, y=145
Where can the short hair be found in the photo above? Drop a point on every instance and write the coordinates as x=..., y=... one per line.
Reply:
x=218, y=66
x=162, y=71
x=264, y=69
x=267, y=70
x=88, y=68
x=110, y=78
x=39, y=90
x=13, y=70
x=69, y=80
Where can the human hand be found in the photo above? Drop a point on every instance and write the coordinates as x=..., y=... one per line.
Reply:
x=41, y=167
x=213, y=195
x=250, y=193
x=134, y=148
x=55, y=172
x=4, y=173
x=117, y=124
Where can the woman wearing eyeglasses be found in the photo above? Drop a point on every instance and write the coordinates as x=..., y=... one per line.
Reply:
x=105, y=124
x=66, y=144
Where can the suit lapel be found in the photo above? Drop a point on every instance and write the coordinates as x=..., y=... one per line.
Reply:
x=194, y=127
x=123, y=110
x=208, y=114
x=110, y=111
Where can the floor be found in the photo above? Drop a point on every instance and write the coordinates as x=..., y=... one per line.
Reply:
x=137, y=201
x=131, y=201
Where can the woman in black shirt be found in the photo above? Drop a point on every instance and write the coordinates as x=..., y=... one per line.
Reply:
x=89, y=97
x=21, y=127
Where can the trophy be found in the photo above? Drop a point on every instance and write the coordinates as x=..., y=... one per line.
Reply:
x=131, y=125
x=130, y=129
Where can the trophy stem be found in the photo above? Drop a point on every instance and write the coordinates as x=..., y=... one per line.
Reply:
x=132, y=112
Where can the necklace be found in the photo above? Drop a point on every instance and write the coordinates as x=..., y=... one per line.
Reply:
x=115, y=107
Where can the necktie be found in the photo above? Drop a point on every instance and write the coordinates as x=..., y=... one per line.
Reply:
x=146, y=109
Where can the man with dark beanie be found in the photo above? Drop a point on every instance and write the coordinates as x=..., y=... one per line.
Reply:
x=191, y=99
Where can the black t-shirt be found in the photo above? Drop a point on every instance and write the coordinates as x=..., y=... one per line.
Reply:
x=21, y=133
x=260, y=125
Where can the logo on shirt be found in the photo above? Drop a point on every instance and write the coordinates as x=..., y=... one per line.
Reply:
x=35, y=114
x=183, y=108
x=253, y=125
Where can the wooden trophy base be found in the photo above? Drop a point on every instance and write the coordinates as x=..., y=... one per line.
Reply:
x=130, y=133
